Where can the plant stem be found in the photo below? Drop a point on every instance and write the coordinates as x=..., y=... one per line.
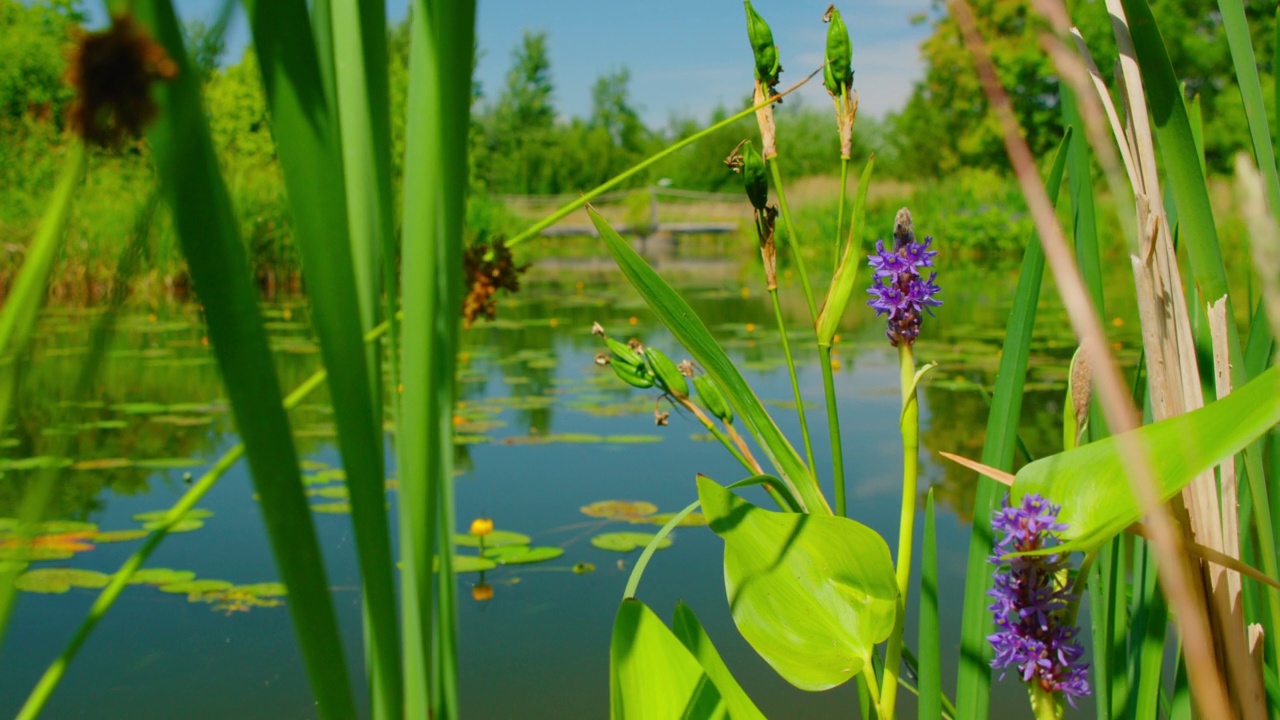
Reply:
x=795, y=380
x=833, y=428
x=715, y=431
x=910, y=426
x=792, y=240
x=844, y=182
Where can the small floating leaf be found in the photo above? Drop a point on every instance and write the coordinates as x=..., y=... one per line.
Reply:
x=62, y=527
x=495, y=539
x=472, y=563
x=522, y=554
x=266, y=589
x=186, y=524
x=583, y=568
x=59, y=580
x=161, y=576
x=39, y=462
x=693, y=519
x=632, y=439
x=102, y=464
x=196, y=589
x=333, y=491
x=336, y=508
x=619, y=509
x=626, y=541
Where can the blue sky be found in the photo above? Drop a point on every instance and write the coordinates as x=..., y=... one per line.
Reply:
x=686, y=57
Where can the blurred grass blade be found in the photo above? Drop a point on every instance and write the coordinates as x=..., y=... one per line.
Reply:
x=929, y=667
x=305, y=126
x=1240, y=41
x=689, y=330
x=1150, y=627
x=973, y=684
x=203, y=217
x=441, y=37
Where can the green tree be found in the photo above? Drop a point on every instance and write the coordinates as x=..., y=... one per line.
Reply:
x=945, y=125
x=521, y=124
x=33, y=58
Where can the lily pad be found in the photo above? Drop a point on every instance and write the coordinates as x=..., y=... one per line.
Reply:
x=39, y=462
x=472, y=563
x=619, y=509
x=693, y=519
x=632, y=439
x=102, y=464
x=114, y=536
x=495, y=539
x=62, y=527
x=333, y=508
x=161, y=576
x=333, y=491
x=266, y=589
x=196, y=589
x=59, y=580
x=522, y=554
x=626, y=541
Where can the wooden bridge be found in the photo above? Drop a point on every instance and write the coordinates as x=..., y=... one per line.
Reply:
x=653, y=238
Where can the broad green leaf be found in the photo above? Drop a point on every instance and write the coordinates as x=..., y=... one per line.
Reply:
x=690, y=331
x=522, y=554
x=472, y=563
x=812, y=594
x=653, y=676
x=196, y=589
x=115, y=536
x=1090, y=482
x=626, y=541
x=689, y=631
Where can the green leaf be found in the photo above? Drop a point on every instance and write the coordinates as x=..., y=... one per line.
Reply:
x=929, y=668
x=651, y=675
x=626, y=541
x=496, y=538
x=472, y=563
x=522, y=554
x=160, y=576
x=684, y=324
x=812, y=594
x=689, y=631
x=59, y=580
x=1090, y=482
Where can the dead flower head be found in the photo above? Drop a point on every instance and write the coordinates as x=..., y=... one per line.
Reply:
x=112, y=72
x=488, y=268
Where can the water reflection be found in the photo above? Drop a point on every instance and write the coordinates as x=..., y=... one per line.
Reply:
x=525, y=379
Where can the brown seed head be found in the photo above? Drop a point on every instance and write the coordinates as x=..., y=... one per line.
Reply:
x=112, y=72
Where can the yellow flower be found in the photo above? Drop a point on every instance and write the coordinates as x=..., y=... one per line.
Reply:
x=481, y=527
x=481, y=591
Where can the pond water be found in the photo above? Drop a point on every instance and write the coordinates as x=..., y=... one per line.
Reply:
x=545, y=432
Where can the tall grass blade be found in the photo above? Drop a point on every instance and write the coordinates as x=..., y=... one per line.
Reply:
x=305, y=125
x=203, y=216
x=1150, y=626
x=1240, y=41
x=435, y=176
x=929, y=670
x=689, y=330
x=973, y=691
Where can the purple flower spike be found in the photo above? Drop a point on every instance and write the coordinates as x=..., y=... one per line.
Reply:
x=1029, y=602
x=897, y=289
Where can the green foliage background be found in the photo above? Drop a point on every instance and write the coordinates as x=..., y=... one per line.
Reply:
x=943, y=144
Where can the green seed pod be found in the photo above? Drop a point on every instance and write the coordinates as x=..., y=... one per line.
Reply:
x=754, y=177
x=711, y=397
x=761, y=37
x=635, y=376
x=667, y=372
x=624, y=354
x=838, y=73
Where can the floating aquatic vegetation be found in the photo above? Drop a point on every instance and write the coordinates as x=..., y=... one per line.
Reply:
x=583, y=568
x=115, y=536
x=39, y=462
x=495, y=539
x=183, y=420
x=619, y=509
x=156, y=516
x=186, y=524
x=196, y=589
x=102, y=464
x=335, y=508
x=627, y=541
x=693, y=519
x=639, y=439
x=472, y=563
x=522, y=554
x=47, y=545
x=332, y=491
x=59, y=580
x=160, y=576
x=169, y=463
x=471, y=439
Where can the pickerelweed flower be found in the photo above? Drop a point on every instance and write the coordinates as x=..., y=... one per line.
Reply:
x=1031, y=602
x=897, y=287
